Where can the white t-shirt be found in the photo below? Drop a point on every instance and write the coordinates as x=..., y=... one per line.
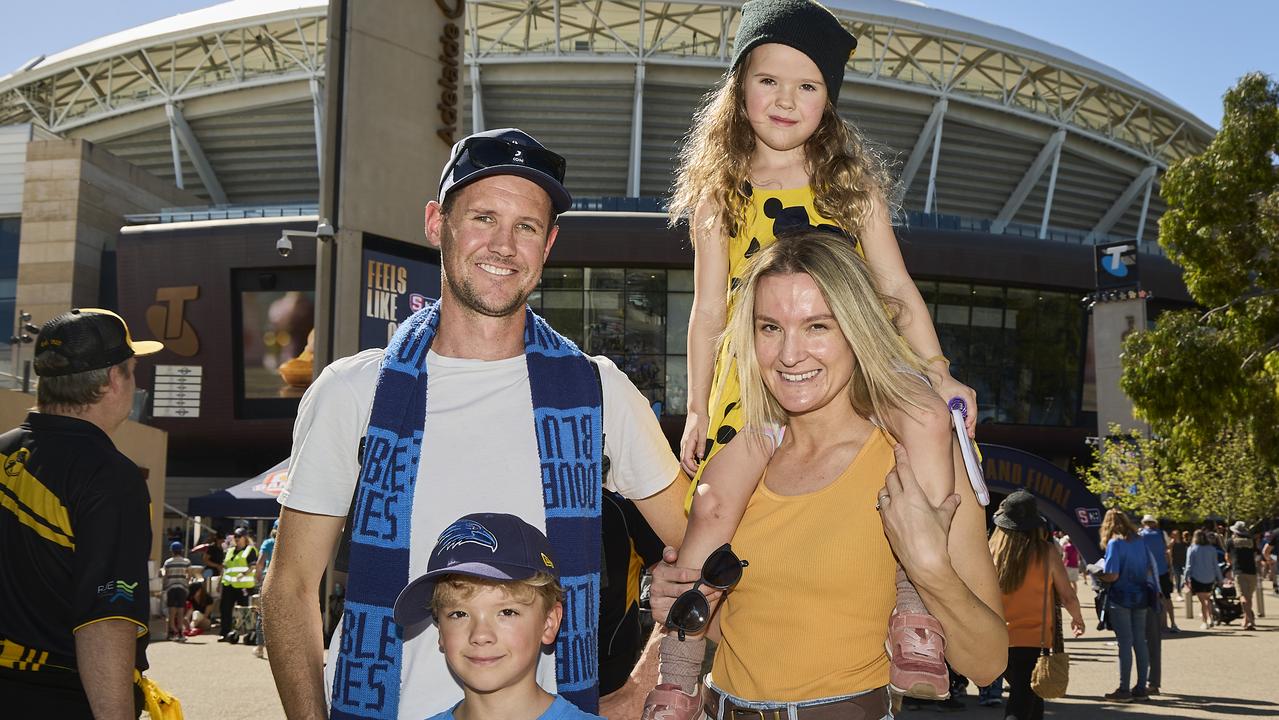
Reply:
x=477, y=444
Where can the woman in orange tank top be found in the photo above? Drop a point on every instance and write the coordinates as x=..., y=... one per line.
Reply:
x=804, y=630
x=1021, y=546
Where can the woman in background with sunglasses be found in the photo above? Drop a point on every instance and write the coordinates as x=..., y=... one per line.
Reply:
x=805, y=628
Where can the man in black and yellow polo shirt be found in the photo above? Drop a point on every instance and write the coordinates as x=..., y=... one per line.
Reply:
x=75, y=531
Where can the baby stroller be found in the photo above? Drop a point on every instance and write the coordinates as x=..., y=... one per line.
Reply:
x=1225, y=604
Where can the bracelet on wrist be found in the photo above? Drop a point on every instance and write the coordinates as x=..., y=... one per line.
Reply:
x=937, y=358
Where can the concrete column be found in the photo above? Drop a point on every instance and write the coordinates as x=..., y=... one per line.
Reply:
x=74, y=199
x=1111, y=323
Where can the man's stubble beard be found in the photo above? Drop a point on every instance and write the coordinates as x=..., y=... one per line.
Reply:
x=465, y=292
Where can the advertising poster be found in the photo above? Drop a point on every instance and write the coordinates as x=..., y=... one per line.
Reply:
x=394, y=288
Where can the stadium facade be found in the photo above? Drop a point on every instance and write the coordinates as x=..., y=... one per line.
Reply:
x=202, y=135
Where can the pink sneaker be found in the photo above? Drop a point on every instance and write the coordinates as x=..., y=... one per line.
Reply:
x=668, y=702
x=916, y=645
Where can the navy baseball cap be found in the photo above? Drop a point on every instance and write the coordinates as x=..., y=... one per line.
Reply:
x=508, y=151
x=495, y=546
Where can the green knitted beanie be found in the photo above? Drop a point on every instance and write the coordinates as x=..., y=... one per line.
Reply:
x=802, y=24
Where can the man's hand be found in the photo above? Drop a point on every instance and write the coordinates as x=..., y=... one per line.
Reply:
x=669, y=582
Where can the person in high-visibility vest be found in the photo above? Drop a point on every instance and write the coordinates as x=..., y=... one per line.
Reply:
x=237, y=580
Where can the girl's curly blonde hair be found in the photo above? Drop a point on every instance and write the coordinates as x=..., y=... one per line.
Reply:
x=845, y=174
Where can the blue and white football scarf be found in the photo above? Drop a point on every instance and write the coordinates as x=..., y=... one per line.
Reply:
x=568, y=422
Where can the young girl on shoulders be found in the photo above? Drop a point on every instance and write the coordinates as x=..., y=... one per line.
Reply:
x=769, y=151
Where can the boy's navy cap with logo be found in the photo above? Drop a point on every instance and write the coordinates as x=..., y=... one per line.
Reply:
x=86, y=339
x=507, y=151
x=495, y=546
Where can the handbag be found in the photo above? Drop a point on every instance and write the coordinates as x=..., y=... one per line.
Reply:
x=159, y=704
x=1052, y=669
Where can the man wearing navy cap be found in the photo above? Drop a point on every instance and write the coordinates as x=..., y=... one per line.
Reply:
x=516, y=420
x=75, y=530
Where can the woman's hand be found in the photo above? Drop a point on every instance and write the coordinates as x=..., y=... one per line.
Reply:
x=948, y=387
x=1077, y=625
x=692, y=445
x=917, y=530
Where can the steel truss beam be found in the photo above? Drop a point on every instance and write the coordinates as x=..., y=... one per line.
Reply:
x=1124, y=201
x=180, y=130
x=1050, y=153
x=900, y=54
x=149, y=73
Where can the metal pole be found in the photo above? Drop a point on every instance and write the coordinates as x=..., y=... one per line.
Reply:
x=637, y=133
x=1052, y=188
x=932, y=167
x=317, y=109
x=477, y=101
x=173, y=143
x=1145, y=206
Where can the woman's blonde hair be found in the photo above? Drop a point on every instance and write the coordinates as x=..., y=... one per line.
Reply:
x=1116, y=524
x=845, y=174
x=1014, y=552
x=887, y=374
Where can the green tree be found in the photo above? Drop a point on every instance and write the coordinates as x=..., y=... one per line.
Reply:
x=1232, y=480
x=1201, y=374
x=1139, y=475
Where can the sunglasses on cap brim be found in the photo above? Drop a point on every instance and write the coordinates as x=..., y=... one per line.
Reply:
x=691, y=611
x=483, y=152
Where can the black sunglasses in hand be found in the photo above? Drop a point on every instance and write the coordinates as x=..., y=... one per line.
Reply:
x=690, y=612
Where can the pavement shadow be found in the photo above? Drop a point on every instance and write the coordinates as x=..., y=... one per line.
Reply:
x=1161, y=704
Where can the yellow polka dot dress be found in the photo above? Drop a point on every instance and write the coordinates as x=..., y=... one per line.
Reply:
x=770, y=212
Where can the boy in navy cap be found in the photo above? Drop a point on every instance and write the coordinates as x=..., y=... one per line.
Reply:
x=494, y=592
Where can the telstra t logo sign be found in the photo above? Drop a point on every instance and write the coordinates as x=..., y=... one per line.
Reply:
x=1112, y=260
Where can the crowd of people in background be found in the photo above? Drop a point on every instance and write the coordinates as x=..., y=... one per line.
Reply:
x=223, y=571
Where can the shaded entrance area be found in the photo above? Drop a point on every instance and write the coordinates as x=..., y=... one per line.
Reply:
x=1063, y=498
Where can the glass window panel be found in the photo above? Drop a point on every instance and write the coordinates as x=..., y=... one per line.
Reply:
x=678, y=306
x=535, y=301
x=679, y=280
x=605, y=325
x=563, y=310
x=605, y=278
x=676, y=384
x=645, y=322
x=641, y=280
x=563, y=278
x=647, y=372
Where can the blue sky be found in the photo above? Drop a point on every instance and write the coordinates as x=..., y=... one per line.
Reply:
x=1188, y=50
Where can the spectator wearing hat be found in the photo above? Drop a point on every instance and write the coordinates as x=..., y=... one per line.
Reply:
x=516, y=420
x=174, y=574
x=1243, y=565
x=1030, y=570
x=1130, y=570
x=492, y=588
x=73, y=570
x=237, y=580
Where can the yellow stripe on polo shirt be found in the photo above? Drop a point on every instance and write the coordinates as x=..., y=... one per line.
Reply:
x=17, y=656
x=32, y=503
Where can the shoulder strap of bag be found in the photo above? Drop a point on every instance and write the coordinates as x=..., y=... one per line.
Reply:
x=1043, y=632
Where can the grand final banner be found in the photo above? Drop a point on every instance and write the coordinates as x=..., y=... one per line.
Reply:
x=394, y=288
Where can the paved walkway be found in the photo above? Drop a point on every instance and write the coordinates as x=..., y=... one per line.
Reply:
x=1221, y=673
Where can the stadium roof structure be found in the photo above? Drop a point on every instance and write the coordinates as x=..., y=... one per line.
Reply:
x=227, y=100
